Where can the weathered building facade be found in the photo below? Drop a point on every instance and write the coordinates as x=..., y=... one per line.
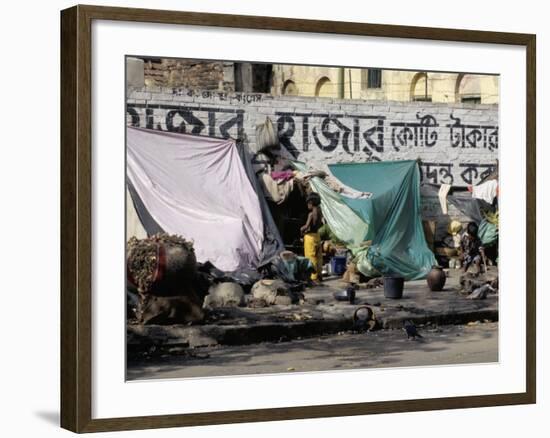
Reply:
x=199, y=74
x=388, y=85
x=317, y=81
x=206, y=75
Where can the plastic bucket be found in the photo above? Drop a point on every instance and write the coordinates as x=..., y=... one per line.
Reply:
x=338, y=265
x=393, y=287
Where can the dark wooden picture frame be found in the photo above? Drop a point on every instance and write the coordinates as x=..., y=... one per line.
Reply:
x=76, y=218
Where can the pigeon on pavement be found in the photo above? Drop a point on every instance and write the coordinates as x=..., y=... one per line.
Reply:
x=411, y=330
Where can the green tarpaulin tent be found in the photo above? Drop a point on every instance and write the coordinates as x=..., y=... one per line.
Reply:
x=487, y=232
x=391, y=218
x=342, y=220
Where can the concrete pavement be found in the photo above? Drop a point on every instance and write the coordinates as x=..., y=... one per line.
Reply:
x=319, y=315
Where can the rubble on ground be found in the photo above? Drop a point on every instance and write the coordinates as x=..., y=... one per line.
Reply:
x=469, y=282
x=183, y=309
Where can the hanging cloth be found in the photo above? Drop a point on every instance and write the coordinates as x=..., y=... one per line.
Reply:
x=197, y=187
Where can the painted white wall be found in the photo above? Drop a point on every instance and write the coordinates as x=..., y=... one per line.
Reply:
x=397, y=130
x=29, y=177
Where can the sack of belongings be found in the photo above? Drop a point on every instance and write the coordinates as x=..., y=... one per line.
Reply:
x=291, y=268
x=273, y=292
x=266, y=136
x=225, y=294
x=352, y=274
x=163, y=269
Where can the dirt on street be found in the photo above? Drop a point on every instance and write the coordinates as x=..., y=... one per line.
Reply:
x=443, y=345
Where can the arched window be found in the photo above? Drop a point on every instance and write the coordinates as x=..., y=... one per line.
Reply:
x=290, y=89
x=421, y=90
x=324, y=87
x=468, y=88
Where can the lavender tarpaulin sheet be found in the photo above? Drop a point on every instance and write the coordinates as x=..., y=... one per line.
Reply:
x=198, y=188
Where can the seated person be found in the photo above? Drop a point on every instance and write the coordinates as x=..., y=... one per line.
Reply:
x=471, y=248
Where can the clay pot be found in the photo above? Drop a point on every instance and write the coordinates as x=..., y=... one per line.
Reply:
x=436, y=278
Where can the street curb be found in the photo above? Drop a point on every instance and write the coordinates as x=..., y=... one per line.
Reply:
x=143, y=337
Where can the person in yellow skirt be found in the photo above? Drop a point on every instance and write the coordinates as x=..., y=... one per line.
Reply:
x=312, y=239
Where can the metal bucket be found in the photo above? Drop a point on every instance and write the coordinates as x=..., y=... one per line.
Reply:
x=393, y=287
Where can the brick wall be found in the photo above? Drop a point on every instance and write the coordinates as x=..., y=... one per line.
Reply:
x=457, y=143
x=165, y=72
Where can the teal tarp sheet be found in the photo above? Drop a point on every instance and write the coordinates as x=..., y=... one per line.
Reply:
x=487, y=233
x=393, y=214
x=342, y=220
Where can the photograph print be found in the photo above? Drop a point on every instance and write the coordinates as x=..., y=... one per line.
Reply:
x=301, y=218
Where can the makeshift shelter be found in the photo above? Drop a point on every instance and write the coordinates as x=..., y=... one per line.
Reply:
x=463, y=200
x=342, y=220
x=134, y=228
x=388, y=223
x=198, y=187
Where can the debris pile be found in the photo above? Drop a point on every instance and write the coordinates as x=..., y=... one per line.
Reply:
x=146, y=259
x=162, y=272
x=166, y=285
x=478, y=286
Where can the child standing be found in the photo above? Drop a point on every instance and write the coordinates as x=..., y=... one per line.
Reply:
x=310, y=231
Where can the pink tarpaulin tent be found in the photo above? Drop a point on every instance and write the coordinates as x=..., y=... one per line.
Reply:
x=198, y=188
